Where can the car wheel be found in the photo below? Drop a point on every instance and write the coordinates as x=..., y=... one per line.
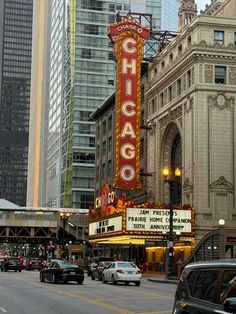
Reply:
x=15, y=270
x=42, y=279
x=99, y=277
x=65, y=281
x=137, y=283
x=54, y=279
x=19, y=270
x=5, y=270
x=1, y=269
x=103, y=279
x=79, y=282
x=127, y=283
x=113, y=280
x=92, y=277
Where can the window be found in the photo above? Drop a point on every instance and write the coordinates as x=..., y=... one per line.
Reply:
x=86, y=53
x=178, y=87
x=153, y=106
x=189, y=40
x=235, y=39
x=109, y=144
x=228, y=285
x=180, y=48
x=171, y=57
x=162, y=65
x=189, y=79
x=161, y=100
x=104, y=146
x=170, y=93
x=220, y=75
x=219, y=37
x=205, y=285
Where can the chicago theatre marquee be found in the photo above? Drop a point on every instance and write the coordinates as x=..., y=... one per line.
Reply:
x=139, y=232
x=119, y=227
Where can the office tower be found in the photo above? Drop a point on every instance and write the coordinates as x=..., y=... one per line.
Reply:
x=82, y=74
x=36, y=191
x=15, y=69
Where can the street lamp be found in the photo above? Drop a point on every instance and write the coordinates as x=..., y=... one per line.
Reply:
x=64, y=216
x=171, y=177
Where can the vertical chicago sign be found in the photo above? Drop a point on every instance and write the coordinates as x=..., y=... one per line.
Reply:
x=129, y=38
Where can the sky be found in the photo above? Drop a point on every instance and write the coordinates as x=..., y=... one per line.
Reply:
x=201, y=4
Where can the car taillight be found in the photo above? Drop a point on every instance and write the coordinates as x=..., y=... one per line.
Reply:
x=120, y=271
x=30, y=263
x=138, y=271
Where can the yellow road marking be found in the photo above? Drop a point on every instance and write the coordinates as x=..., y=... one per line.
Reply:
x=90, y=300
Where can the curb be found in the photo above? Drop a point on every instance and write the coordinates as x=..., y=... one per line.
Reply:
x=175, y=282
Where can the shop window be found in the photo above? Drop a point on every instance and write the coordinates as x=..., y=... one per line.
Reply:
x=219, y=37
x=220, y=75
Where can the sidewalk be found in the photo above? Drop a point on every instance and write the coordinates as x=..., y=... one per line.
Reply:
x=161, y=278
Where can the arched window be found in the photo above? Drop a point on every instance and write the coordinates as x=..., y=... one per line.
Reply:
x=176, y=161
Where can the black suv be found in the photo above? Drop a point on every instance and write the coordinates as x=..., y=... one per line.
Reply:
x=207, y=287
x=11, y=263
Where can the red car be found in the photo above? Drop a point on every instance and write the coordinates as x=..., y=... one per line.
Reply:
x=34, y=263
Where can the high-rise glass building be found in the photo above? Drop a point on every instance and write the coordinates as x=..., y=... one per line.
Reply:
x=15, y=69
x=82, y=75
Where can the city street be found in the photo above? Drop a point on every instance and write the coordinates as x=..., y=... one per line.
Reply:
x=23, y=293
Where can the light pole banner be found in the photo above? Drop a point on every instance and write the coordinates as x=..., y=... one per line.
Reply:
x=129, y=38
x=158, y=220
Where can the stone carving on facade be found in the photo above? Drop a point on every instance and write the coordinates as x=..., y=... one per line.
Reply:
x=188, y=105
x=187, y=184
x=221, y=102
x=232, y=75
x=222, y=184
x=208, y=73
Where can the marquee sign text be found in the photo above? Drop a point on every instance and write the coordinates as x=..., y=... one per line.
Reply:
x=151, y=219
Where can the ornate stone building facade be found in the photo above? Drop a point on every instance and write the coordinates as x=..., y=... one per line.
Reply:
x=191, y=106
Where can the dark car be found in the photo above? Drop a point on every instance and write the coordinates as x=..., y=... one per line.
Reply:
x=60, y=270
x=207, y=287
x=96, y=272
x=11, y=263
x=34, y=263
x=96, y=260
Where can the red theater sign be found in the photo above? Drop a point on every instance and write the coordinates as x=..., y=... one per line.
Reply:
x=129, y=38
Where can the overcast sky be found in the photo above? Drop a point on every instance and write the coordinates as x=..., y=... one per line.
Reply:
x=201, y=4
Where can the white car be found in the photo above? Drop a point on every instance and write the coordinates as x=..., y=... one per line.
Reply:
x=122, y=272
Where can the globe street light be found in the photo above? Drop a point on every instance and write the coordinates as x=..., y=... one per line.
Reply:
x=171, y=177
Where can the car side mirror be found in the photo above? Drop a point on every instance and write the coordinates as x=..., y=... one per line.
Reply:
x=230, y=305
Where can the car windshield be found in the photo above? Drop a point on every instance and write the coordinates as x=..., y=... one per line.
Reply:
x=67, y=265
x=126, y=265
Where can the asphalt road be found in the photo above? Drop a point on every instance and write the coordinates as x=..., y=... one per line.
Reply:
x=23, y=293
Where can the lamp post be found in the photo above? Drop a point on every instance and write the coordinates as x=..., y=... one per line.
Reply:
x=171, y=178
x=64, y=216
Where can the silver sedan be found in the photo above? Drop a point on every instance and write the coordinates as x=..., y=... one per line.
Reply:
x=122, y=272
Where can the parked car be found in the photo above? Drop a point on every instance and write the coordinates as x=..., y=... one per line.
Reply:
x=122, y=272
x=96, y=260
x=207, y=287
x=11, y=263
x=34, y=263
x=96, y=272
x=60, y=270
